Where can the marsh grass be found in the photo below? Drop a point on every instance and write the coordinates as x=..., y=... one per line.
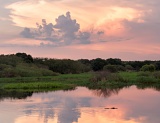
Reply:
x=144, y=74
x=107, y=79
x=102, y=79
x=146, y=80
x=156, y=74
x=38, y=85
x=69, y=81
x=105, y=76
x=148, y=77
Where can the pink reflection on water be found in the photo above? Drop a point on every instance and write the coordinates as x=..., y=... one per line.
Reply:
x=82, y=105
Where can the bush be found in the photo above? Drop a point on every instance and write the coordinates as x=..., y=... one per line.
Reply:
x=156, y=74
x=146, y=80
x=100, y=76
x=98, y=64
x=8, y=72
x=120, y=68
x=29, y=70
x=11, y=60
x=114, y=68
x=147, y=73
x=110, y=68
x=67, y=66
x=106, y=76
x=129, y=68
x=150, y=68
x=46, y=72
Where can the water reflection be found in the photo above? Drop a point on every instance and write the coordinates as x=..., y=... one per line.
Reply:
x=13, y=94
x=21, y=94
x=146, y=86
x=84, y=106
x=107, y=92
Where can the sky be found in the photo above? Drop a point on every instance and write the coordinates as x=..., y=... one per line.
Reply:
x=81, y=29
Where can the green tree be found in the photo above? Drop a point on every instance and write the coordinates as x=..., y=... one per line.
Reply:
x=157, y=65
x=10, y=60
x=114, y=68
x=98, y=64
x=129, y=67
x=114, y=61
x=146, y=67
x=110, y=68
x=25, y=57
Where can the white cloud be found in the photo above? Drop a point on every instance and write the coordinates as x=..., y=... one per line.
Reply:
x=92, y=22
x=97, y=13
x=64, y=32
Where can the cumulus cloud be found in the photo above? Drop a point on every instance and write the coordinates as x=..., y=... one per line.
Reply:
x=84, y=37
x=47, y=29
x=65, y=31
x=67, y=28
x=26, y=33
x=106, y=20
x=116, y=21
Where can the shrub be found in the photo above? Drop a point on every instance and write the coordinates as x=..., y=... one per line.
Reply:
x=150, y=68
x=129, y=67
x=100, y=76
x=106, y=76
x=11, y=60
x=67, y=66
x=156, y=74
x=120, y=68
x=98, y=64
x=8, y=72
x=146, y=80
x=147, y=73
x=46, y=72
x=110, y=68
x=114, y=68
x=31, y=70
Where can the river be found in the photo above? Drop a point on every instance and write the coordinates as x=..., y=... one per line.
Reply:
x=127, y=105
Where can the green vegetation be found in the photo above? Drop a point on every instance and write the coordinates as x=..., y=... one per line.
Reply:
x=24, y=65
x=105, y=79
x=150, y=68
x=38, y=85
x=63, y=81
x=97, y=80
x=114, y=68
x=23, y=72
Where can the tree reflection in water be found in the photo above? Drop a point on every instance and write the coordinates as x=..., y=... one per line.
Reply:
x=21, y=94
x=107, y=92
x=13, y=94
x=81, y=105
x=146, y=86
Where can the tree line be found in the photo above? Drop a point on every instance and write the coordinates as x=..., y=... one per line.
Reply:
x=24, y=65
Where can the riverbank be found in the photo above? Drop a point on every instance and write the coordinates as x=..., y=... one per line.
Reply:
x=98, y=80
x=60, y=82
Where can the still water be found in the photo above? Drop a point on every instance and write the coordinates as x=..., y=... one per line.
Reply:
x=82, y=105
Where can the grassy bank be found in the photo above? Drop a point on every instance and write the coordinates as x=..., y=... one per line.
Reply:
x=38, y=85
x=90, y=80
x=104, y=79
x=64, y=81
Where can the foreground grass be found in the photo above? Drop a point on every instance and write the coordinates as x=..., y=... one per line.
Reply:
x=63, y=82
x=70, y=81
x=38, y=85
x=104, y=79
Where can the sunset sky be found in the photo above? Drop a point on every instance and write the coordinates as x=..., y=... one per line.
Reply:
x=75, y=29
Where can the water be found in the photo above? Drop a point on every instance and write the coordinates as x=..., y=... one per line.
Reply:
x=82, y=106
